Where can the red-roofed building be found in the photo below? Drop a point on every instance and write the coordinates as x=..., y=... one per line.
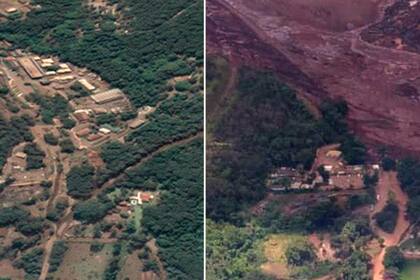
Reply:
x=140, y=198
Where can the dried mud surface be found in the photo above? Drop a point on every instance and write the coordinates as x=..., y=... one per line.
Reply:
x=326, y=49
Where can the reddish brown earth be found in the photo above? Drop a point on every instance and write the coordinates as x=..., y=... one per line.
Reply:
x=388, y=183
x=316, y=47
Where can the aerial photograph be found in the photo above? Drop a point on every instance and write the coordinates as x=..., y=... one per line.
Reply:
x=313, y=139
x=101, y=139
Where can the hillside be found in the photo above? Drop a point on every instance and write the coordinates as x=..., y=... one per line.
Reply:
x=321, y=60
x=101, y=113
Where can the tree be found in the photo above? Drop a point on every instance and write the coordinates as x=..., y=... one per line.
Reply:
x=413, y=209
x=80, y=181
x=10, y=215
x=394, y=258
x=90, y=211
x=57, y=255
x=299, y=254
x=356, y=267
x=50, y=139
x=31, y=262
x=183, y=86
x=4, y=90
x=388, y=163
x=387, y=218
x=35, y=157
x=67, y=146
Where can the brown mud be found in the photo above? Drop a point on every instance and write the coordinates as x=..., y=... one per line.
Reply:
x=316, y=47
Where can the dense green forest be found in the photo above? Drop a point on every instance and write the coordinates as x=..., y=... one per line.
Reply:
x=232, y=252
x=176, y=118
x=11, y=133
x=139, y=50
x=409, y=176
x=160, y=39
x=176, y=221
x=267, y=126
x=35, y=156
x=80, y=181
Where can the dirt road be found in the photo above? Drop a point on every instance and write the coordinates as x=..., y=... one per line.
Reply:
x=163, y=148
x=67, y=220
x=388, y=183
x=47, y=253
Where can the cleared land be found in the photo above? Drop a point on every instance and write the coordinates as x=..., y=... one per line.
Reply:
x=81, y=264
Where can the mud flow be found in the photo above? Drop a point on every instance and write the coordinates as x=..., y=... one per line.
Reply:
x=331, y=15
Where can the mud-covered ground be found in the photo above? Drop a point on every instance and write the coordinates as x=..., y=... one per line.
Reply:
x=316, y=47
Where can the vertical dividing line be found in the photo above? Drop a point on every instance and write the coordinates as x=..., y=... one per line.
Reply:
x=204, y=137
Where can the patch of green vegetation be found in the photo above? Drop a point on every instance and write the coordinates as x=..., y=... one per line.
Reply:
x=50, y=139
x=80, y=181
x=411, y=271
x=21, y=219
x=31, y=262
x=167, y=36
x=50, y=107
x=321, y=216
x=35, y=156
x=11, y=215
x=394, y=258
x=12, y=133
x=12, y=107
x=267, y=126
x=57, y=254
x=409, y=176
x=82, y=263
x=66, y=146
x=176, y=221
x=175, y=119
x=232, y=252
x=183, y=86
x=387, y=218
x=56, y=213
x=91, y=211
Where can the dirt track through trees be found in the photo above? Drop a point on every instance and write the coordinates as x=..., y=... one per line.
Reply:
x=388, y=183
x=67, y=220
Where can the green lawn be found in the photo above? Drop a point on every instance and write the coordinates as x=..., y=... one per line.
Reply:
x=81, y=264
x=411, y=271
x=137, y=215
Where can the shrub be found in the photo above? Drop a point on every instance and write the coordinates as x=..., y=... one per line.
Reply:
x=387, y=218
x=394, y=258
x=183, y=86
x=299, y=254
x=50, y=139
x=388, y=164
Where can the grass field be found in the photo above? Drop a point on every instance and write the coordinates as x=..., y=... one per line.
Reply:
x=276, y=245
x=411, y=271
x=81, y=264
x=274, y=251
x=137, y=215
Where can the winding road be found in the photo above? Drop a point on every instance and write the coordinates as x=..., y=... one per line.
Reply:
x=66, y=221
x=388, y=183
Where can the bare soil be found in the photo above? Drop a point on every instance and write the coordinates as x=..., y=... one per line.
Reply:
x=388, y=182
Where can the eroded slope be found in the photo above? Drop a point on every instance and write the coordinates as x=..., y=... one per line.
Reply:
x=327, y=58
